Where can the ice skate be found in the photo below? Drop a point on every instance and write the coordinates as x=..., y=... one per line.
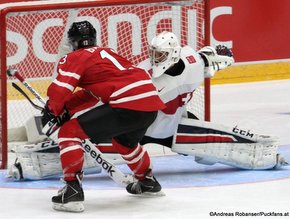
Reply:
x=148, y=186
x=70, y=197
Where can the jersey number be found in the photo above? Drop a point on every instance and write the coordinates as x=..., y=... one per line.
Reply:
x=104, y=54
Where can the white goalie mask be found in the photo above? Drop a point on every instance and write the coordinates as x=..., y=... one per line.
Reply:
x=164, y=52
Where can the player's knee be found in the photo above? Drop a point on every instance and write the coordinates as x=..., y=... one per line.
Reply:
x=130, y=140
x=72, y=129
x=120, y=146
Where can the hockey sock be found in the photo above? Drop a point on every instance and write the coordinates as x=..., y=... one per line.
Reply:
x=72, y=159
x=137, y=158
x=71, y=152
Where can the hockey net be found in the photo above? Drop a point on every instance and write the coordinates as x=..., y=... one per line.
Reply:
x=32, y=34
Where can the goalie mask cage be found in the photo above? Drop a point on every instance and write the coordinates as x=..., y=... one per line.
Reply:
x=31, y=37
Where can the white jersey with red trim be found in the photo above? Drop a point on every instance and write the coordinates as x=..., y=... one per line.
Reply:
x=107, y=76
x=175, y=92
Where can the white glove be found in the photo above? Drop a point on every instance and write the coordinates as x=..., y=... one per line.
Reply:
x=215, y=59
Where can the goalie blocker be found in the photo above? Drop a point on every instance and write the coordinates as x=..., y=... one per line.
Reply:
x=209, y=143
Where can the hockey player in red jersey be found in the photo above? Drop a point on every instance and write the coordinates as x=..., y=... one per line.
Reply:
x=130, y=105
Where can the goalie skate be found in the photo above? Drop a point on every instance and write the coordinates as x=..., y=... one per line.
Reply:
x=15, y=171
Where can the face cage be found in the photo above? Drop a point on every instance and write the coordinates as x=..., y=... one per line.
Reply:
x=157, y=57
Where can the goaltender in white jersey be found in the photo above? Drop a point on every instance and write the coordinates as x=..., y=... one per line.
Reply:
x=176, y=87
x=176, y=72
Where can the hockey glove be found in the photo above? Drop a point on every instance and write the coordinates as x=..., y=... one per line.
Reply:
x=215, y=60
x=223, y=51
x=51, y=123
x=48, y=116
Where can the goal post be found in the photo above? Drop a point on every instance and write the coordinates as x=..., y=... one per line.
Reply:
x=32, y=36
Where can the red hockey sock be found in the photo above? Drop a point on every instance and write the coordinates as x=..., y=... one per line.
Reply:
x=71, y=152
x=137, y=158
x=72, y=159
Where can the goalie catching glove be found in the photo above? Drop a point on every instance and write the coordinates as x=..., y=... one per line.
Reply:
x=216, y=59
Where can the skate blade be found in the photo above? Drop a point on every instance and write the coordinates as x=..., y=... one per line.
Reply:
x=150, y=194
x=69, y=207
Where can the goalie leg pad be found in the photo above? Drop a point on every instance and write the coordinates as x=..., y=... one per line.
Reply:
x=39, y=161
x=212, y=143
x=35, y=166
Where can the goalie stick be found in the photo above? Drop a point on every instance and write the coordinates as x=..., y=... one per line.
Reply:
x=117, y=175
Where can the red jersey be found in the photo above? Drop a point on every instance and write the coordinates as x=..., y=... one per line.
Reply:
x=107, y=76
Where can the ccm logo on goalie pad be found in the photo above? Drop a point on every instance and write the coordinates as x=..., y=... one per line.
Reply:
x=243, y=132
x=97, y=157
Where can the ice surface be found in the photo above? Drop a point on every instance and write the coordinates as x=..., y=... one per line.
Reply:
x=192, y=190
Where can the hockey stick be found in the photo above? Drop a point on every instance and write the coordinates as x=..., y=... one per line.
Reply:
x=117, y=175
x=19, y=89
x=13, y=72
